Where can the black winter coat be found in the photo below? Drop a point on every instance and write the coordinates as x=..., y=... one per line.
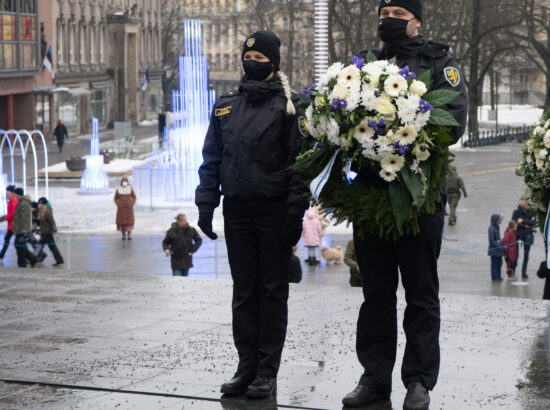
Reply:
x=526, y=226
x=295, y=269
x=250, y=144
x=181, y=242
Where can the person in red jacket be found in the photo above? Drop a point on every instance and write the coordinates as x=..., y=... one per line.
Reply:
x=511, y=248
x=12, y=204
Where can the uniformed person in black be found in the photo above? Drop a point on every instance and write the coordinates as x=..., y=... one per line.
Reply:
x=252, y=140
x=415, y=257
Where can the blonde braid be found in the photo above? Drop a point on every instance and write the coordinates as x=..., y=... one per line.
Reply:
x=290, y=109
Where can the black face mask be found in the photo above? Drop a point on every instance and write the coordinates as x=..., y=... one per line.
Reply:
x=391, y=29
x=257, y=71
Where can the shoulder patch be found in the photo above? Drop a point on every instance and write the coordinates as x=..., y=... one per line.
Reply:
x=452, y=75
x=222, y=111
x=302, y=126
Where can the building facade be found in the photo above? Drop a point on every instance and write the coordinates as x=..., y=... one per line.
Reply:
x=107, y=60
x=25, y=86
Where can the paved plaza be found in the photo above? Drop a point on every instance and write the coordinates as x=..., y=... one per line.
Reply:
x=113, y=329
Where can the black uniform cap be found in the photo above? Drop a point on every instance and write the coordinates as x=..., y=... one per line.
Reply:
x=10, y=188
x=414, y=6
x=19, y=191
x=267, y=43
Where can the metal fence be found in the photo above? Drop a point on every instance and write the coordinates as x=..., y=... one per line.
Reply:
x=491, y=137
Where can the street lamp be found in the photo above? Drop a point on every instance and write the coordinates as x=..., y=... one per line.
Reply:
x=496, y=71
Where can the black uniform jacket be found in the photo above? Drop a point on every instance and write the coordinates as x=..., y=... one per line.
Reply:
x=248, y=149
x=422, y=55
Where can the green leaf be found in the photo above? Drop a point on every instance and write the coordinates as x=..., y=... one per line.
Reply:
x=439, y=116
x=371, y=57
x=441, y=136
x=400, y=203
x=425, y=78
x=439, y=98
x=415, y=186
x=393, y=60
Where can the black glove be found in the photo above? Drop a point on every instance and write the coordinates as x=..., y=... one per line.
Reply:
x=543, y=271
x=292, y=229
x=205, y=223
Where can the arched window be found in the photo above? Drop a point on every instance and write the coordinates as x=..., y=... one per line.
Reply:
x=102, y=43
x=93, y=43
x=82, y=42
x=72, y=43
x=60, y=41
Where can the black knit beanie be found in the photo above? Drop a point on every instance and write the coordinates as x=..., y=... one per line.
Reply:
x=10, y=188
x=414, y=6
x=267, y=43
x=19, y=191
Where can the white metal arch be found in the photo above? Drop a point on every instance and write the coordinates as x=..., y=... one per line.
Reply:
x=5, y=138
x=23, y=155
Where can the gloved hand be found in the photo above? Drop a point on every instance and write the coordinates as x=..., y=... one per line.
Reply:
x=292, y=229
x=205, y=223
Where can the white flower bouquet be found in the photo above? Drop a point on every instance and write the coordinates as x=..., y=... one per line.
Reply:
x=379, y=120
x=535, y=168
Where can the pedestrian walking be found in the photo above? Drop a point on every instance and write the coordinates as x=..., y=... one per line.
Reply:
x=455, y=185
x=496, y=250
x=295, y=267
x=22, y=226
x=249, y=149
x=526, y=222
x=413, y=258
x=47, y=229
x=34, y=236
x=125, y=198
x=510, y=248
x=61, y=134
x=12, y=205
x=311, y=231
x=350, y=259
x=180, y=243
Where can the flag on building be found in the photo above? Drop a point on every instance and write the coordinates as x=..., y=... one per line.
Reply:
x=48, y=62
x=144, y=82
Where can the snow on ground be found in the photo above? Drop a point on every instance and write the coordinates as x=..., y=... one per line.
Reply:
x=115, y=166
x=515, y=115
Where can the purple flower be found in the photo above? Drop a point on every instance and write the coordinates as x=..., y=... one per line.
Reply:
x=338, y=104
x=319, y=144
x=377, y=126
x=358, y=61
x=307, y=91
x=406, y=74
x=425, y=106
x=402, y=149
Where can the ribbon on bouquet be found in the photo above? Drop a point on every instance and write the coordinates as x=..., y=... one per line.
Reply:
x=546, y=233
x=320, y=180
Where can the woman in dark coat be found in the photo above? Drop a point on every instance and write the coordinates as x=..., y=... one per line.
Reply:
x=125, y=198
x=181, y=242
x=250, y=147
x=60, y=133
x=47, y=229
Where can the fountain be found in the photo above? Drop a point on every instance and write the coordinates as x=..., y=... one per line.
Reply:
x=24, y=139
x=321, y=38
x=94, y=179
x=171, y=175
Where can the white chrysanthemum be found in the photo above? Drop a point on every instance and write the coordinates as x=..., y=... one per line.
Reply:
x=385, y=146
x=547, y=124
x=373, y=68
x=392, y=69
x=331, y=73
x=345, y=143
x=384, y=106
x=309, y=112
x=546, y=141
x=333, y=131
x=418, y=88
x=387, y=175
x=543, y=153
x=406, y=114
x=538, y=130
x=339, y=91
x=349, y=75
x=354, y=97
x=421, y=151
x=395, y=85
x=531, y=145
x=539, y=163
x=406, y=135
x=334, y=70
x=369, y=99
x=422, y=120
x=363, y=131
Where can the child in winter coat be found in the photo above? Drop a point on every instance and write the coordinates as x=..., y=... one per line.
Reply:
x=510, y=248
x=312, y=236
x=496, y=250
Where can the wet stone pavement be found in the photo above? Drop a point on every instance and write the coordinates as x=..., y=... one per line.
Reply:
x=112, y=329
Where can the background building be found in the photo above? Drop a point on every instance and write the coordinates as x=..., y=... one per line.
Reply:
x=103, y=51
x=25, y=88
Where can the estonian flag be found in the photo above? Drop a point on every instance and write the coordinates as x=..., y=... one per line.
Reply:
x=48, y=62
x=145, y=80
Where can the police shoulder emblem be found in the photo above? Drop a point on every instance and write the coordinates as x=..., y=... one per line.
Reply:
x=302, y=125
x=250, y=42
x=452, y=75
x=222, y=111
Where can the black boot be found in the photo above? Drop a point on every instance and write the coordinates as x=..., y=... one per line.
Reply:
x=524, y=274
x=363, y=395
x=315, y=261
x=238, y=384
x=417, y=397
x=262, y=387
x=4, y=249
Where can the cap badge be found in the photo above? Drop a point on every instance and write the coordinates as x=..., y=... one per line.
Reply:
x=250, y=42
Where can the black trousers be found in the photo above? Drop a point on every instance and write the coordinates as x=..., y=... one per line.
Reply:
x=415, y=257
x=48, y=239
x=7, y=239
x=260, y=267
x=23, y=253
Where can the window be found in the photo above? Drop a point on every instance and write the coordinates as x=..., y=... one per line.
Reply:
x=60, y=41
x=72, y=45
x=67, y=110
x=102, y=44
x=92, y=44
x=285, y=23
x=152, y=103
x=296, y=25
x=18, y=35
x=82, y=42
x=43, y=113
x=99, y=105
x=297, y=50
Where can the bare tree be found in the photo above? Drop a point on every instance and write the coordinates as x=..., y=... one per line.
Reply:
x=171, y=15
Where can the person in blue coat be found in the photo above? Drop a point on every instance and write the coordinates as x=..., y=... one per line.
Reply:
x=496, y=250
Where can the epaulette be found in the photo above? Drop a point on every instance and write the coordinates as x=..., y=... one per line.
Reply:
x=231, y=93
x=436, y=50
